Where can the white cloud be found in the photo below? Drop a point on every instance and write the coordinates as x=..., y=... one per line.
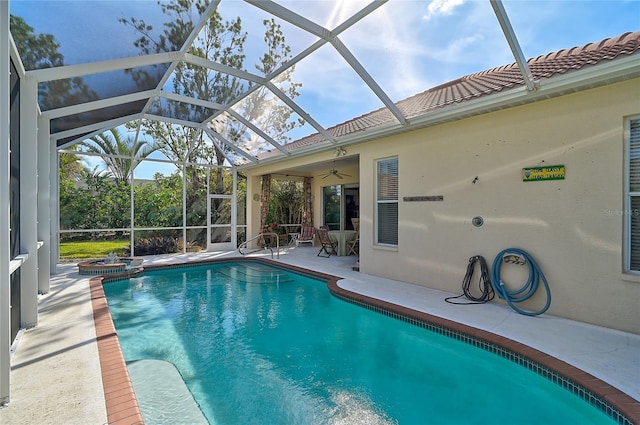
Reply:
x=408, y=49
x=341, y=11
x=441, y=7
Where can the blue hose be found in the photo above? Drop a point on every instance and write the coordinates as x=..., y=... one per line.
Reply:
x=527, y=290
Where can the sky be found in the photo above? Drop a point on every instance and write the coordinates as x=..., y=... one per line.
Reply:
x=406, y=46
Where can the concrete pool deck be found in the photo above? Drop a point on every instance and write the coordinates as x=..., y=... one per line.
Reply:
x=56, y=371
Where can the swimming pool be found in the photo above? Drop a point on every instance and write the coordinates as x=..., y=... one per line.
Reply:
x=258, y=344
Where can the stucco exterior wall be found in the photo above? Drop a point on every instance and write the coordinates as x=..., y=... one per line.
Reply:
x=573, y=228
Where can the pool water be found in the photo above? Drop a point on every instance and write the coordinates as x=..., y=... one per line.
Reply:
x=256, y=344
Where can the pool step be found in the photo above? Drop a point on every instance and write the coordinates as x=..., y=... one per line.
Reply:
x=162, y=394
x=256, y=274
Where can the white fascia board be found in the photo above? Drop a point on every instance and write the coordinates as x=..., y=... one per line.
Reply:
x=593, y=76
x=556, y=86
x=70, y=71
x=622, y=68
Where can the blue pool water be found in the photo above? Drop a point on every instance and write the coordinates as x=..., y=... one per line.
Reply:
x=257, y=344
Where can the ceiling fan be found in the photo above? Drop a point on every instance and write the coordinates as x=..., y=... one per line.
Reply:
x=333, y=172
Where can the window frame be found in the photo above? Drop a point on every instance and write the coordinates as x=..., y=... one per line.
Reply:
x=629, y=195
x=379, y=201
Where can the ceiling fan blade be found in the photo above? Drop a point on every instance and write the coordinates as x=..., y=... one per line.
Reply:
x=339, y=176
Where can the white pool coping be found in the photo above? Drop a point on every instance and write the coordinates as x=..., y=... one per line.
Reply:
x=56, y=371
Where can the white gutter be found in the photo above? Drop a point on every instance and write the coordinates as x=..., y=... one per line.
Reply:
x=590, y=76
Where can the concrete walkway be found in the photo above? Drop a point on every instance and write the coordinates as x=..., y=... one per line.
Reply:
x=55, y=372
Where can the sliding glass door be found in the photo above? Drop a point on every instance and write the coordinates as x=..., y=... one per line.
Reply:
x=340, y=203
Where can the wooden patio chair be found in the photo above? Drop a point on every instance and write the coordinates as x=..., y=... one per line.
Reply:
x=328, y=246
x=353, y=246
x=307, y=235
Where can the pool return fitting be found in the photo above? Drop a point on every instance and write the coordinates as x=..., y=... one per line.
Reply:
x=491, y=285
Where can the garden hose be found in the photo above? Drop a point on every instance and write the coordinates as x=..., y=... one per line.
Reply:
x=528, y=289
x=484, y=284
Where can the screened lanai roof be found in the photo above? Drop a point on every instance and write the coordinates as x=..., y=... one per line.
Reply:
x=330, y=62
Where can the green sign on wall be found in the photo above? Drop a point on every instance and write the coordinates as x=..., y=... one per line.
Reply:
x=551, y=172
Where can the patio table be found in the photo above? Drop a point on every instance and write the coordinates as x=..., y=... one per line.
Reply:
x=342, y=237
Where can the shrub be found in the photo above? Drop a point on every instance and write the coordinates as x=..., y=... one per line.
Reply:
x=154, y=245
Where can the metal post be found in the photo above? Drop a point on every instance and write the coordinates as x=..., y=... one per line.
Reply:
x=28, y=198
x=5, y=289
x=44, y=211
x=54, y=207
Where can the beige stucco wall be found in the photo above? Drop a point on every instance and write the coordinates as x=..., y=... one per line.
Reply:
x=572, y=227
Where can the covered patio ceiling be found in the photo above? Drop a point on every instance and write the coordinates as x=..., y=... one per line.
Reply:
x=301, y=68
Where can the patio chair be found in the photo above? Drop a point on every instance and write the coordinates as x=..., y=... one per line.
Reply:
x=328, y=246
x=353, y=246
x=307, y=235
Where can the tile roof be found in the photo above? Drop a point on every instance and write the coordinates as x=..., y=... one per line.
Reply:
x=485, y=83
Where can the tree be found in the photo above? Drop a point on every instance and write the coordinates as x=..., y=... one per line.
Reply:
x=41, y=51
x=96, y=202
x=262, y=107
x=118, y=152
x=71, y=167
x=159, y=203
x=221, y=42
x=286, y=202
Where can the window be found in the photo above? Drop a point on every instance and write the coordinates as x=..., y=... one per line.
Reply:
x=387, y=201
x=633, y=200
x=331, y=206
x=340, y=204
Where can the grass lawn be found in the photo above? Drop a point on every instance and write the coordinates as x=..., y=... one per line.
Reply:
x=92, y=249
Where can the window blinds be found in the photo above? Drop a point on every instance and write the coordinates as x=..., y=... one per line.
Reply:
x=387, y=201
x=634, y=194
